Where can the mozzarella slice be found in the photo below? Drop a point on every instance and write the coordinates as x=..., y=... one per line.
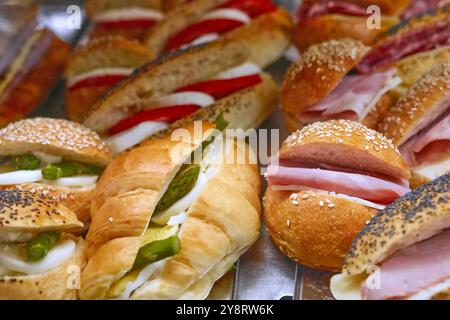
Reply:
x=86, y=181
x=99, y=73
x=129, y=138
x=12, y=259
x=431, y=292
x=245, y=69
x=15, y=236
x=47, y=158
x=143, y=276
x=435, y=170
x=209, y=37
x=20, y=176
x=228, y=13
x=346, y=287
x=130, y=13
x=182, y=98
x=176, y=220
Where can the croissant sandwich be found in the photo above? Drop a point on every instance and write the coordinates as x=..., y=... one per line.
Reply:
x=163, y=217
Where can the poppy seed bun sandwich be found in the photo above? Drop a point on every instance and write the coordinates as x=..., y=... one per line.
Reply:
x=130, y=19
x=321, y=86
x=199, y=82
x=164, y=220
x=54, y=157
x=95, y=67
x=324, y=20
x=404, y=252
x=37, y=251
x=326, y=182
x=419, y=123
x=259, y=24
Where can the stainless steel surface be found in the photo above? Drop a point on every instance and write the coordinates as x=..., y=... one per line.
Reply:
x=263, y=273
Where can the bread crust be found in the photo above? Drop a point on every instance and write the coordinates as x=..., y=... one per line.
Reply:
x=80, y=101
x=94, y=7
x=53, y=285
x=424, y=99
x=54, y=136
x=164, y=76
x=318, y=72
x=215, y=228
x=315, y=235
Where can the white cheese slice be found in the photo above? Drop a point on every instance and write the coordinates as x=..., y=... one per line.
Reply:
x=206, y=38
x=129, y=14
x=182, y=98
x=15, y=236
x=435, y=170
x=177, y=220
x=228, y=13
x=86, y=181
x=102, y=72
x=245, y=69
x=346, y=287
x=47, y=158
x=20, y=176
x=12, y=259
x=133, y=136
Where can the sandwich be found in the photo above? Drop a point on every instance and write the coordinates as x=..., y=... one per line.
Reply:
x=419, y=124
x=324, y=20
x=30, y=64
x=259, y=24
x=199, y=83
x=59, y=159
x=95, y=67
x=322, y=86
x=159, y=210
x=39, y=258
x=131, y=19
x=404, y=252
x=417, y=7
x=326, y=182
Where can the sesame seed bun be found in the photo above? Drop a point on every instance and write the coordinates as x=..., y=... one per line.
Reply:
x=318, y=72
x=423, y=103
x=416, y=216
x=33, y=212
x=94, y=7
x=57, y=284
x=345, y=144
x=54, y=136
x=317, y=230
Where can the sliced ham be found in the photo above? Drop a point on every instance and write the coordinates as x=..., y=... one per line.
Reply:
x=353, y=98
x=351, y=184
x=411, y=270
x=430, y=145
x=417, y=40
x=318, y=8
x=418, y=6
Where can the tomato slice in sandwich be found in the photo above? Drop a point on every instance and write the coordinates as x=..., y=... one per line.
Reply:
x=108, y=80
x=127, y=24
x=252, y=8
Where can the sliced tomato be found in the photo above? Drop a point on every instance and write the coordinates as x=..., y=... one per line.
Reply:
x=167, y=114
x=199, y=29
x=124, y=24
x=223, y=87
x=252, y=8
x=108, y=80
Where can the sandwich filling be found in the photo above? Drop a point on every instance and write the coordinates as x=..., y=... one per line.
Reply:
x=160, y=112
x=416, y=7
x=431, y=36
x=417, y=272
x=38, y=167
x=161, y=239
x=131, y=17
x=353, y=98
x=313, y=9
x=229, y=16
x=24, y=253
x=98, y=77
x=428, y=151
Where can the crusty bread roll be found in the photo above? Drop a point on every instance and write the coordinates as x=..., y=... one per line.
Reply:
x=212, y=237
x=61, y=138
x=94, y=7
x=98, y=54
x=316, y=227
x=32, y=213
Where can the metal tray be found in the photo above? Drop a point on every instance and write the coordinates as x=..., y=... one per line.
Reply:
x=263, y=273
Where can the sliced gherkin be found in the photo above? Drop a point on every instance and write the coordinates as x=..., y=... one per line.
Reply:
x=40, y=246
x=156, y=251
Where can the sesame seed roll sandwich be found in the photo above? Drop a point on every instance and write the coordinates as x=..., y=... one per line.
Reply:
x=199, y=83
x=324, y=20
x=165, y=221
x=419, y=124
x=404, y=252
x=259, y=24
x=39, y=258
x=323, y=86
x=131, y=19
x=53, y=157
x=95, y=67
x=326, y=182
